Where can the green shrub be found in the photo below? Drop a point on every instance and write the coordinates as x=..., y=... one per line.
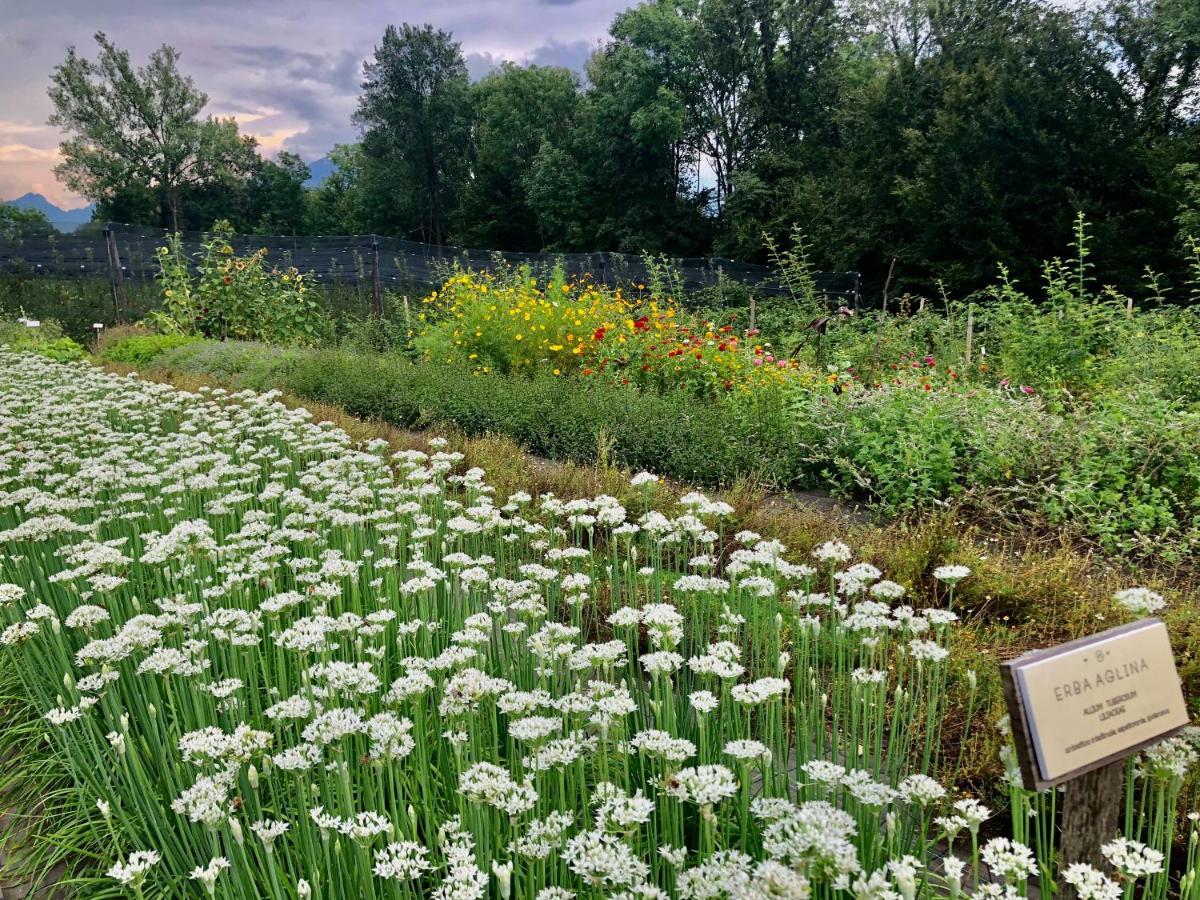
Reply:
x=45, y=338
x=1130, y=475
x=906, y=448
x=139, y=349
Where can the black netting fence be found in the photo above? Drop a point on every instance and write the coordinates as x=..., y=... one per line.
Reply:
x=352, y=259
x=120, y=260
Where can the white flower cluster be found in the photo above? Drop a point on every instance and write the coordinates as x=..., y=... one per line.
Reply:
x=361, y=675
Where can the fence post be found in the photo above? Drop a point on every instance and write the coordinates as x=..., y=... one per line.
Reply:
x=376, y=280
x=753, y=310
x=887, y=285
x=970, y=331
x=114, y=272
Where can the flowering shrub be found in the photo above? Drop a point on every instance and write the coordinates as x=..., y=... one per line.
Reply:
x=278, y=665
x=234, y=296
x=511, y=324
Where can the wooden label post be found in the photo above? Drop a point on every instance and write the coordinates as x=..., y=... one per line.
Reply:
x=1079, y=710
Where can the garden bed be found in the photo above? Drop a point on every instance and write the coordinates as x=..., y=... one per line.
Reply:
x=245, y=461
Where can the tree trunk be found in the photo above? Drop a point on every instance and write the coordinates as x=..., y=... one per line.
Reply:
x=173, y=207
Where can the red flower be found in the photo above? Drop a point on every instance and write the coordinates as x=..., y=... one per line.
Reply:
x=598, y=334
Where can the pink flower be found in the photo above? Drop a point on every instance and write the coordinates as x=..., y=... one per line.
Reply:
x=1026, y=389
x=757, y=360
x=782, y=363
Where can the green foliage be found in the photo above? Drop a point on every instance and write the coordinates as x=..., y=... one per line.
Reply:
x=1121, y=470
x=907, y=449
x=415, y=110
x=1130, y=473
x=140, y=349
x=17, y=224
x=44, y=338
x=236, y=297
x=520, y=112
x=140, y=127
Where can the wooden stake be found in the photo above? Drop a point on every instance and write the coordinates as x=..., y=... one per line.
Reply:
x=1091, y=817
x=114, y=272
x=970, y=331
x=1129, y=307
x=753, y=311
x=887, y=285
x=376, y=281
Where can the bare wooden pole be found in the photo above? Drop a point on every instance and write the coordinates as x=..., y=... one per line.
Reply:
x=970, y=331
x=376, y=281
x=1129, y=307
x=887, y=285
x=114, y=272
x=753, y=311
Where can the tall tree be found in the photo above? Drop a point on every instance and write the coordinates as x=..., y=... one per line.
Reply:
x=415, y=112
x=141, y=127
x=620, y=165
x=1156, y=46
x=518, y=110
x=275, y=199
x=707, y=55
x=337, y=205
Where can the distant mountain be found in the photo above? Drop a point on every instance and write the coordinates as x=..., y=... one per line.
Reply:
x=319, y=171
x=62, y=219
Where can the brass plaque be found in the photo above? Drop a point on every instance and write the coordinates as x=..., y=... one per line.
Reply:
x=1089, y=702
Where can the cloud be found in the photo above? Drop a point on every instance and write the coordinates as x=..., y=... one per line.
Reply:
x=571, y=55
x=482, y=64
x=288, y=70
x=25, y=153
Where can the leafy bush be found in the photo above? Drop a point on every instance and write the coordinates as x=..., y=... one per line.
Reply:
x=1129, y=474
x=905, y=447
x=140, y=349
x=237, y=296
x=43, y=337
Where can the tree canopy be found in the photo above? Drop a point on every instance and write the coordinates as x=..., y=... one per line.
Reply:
x=949, y=137
x=140, y=127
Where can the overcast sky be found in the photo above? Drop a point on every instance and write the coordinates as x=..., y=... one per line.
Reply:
x=288, y=71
